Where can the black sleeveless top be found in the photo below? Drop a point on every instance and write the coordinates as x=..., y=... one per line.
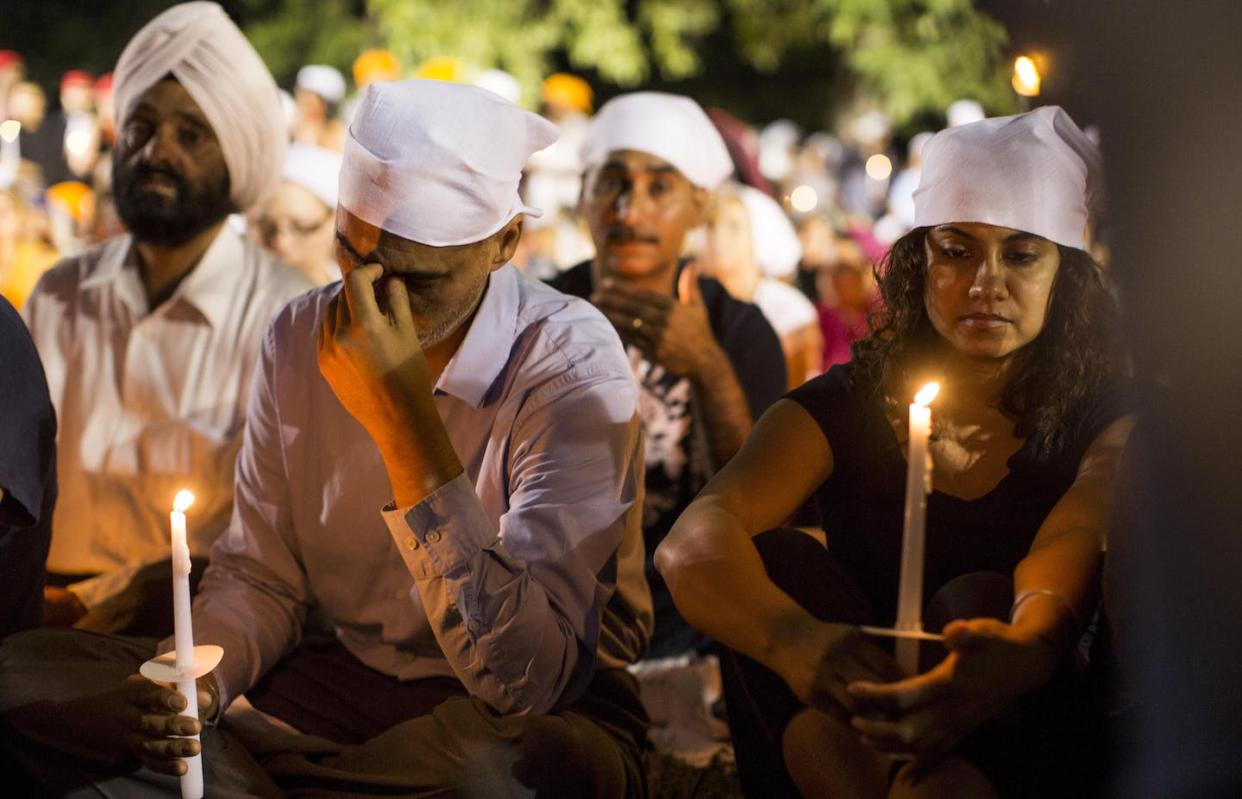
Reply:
x=861, y=504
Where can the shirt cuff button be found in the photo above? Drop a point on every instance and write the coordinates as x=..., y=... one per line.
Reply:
x=411, y=542
x=433, y=536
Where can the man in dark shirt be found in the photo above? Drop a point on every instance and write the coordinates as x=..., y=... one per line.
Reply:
x=706, y=364
x=27, y=475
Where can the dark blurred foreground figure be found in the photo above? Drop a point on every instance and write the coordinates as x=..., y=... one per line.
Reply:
x=1171, y=137
x=706, y=365
x=149, y=340
x=444, y=457
x=994, y=295
x=27, y=475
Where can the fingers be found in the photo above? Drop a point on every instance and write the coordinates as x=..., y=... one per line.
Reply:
x=688, y=286
x=165, y=756
x=968, y=634
x=902, y=696
x=359, y=291
x=153, y=697
x=918, y=733
x=399, y=304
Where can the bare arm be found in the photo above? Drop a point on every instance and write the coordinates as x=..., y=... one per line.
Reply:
x=1062, y=569
x=717, y=577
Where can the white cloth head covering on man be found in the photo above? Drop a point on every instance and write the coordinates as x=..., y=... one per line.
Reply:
x=667, y=126
x=200, y=46
x=777, y=249
x=1036, y=172
x=438, y=163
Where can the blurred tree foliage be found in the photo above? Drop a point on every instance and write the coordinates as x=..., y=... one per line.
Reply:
x=910, y=56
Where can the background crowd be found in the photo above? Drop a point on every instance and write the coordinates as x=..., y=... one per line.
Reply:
x=840, y=197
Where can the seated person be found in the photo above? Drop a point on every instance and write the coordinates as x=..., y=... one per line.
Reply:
x=751, y=246
x=706, y=364
x=296, y=221
x=150, y=339
x=994, y=295
x=484, y=619
x=27, y=475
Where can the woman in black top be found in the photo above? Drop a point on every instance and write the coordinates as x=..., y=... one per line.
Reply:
x=1015, y=320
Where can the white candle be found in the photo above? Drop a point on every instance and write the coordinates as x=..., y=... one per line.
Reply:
x=10, y=152
x=183, y=637
x=918, y=485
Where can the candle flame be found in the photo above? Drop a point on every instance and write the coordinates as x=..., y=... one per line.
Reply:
x=926, y=394
x=183, y=501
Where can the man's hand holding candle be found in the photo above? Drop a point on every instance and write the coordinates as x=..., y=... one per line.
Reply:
x=154, y=728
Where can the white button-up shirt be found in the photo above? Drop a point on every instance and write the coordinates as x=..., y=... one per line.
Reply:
x=518, y=577
x=149, y=401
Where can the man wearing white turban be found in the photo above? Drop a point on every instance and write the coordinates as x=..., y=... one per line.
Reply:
x=707, y=365
x=443, y=456
x=149, y=339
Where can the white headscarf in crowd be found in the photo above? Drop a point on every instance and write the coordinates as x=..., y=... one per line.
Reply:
x=201, y=47
x=1034, y=172
x=777, y=249
x=325, y=81
x=438, y=163
x=668, y=126
x=316, y=169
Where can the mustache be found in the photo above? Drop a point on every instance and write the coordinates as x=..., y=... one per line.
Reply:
x=624, y=234
x=143, y=171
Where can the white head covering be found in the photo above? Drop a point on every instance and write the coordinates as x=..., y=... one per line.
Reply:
x=776, y=244
x=438, y=163
x=316, y=169
x=667, y=126
x=201, y=47
x=323, y=80
x=963, y=112
x=502, y=83
x=1032, y=172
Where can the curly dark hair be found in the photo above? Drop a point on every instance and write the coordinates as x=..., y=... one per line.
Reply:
x=1077, y=354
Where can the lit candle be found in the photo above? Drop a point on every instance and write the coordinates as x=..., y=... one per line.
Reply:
x=183, y=638
x=918, y=486
x=10, y=152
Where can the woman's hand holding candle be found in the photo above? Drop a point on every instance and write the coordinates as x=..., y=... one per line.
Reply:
x=990, y=665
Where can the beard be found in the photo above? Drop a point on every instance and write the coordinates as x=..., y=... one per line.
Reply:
x=167, y=222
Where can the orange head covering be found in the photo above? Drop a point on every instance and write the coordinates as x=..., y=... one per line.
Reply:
x=374, y=66
x=74, y=197
x=561, y=88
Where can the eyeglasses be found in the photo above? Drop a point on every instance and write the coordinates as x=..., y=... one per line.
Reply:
x=269, y=228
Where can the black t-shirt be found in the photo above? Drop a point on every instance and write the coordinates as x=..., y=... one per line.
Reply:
x=862, y=502
x=27, y=475
x=677, y=457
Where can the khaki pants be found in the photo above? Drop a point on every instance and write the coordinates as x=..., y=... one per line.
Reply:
x=59, y=702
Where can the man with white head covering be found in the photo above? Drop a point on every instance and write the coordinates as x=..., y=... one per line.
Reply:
x=149, y=339
x=707, y=365
x=443, y=457
x=296, y=221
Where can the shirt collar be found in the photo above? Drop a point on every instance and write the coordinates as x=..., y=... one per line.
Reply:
x=485, y=350
x=209, y=286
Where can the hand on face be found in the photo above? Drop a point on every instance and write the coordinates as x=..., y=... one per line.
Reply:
x=675, y=333
x=153, y=724
x=372, y=359
x=988, y=667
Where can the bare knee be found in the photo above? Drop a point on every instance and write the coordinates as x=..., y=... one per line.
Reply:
x=954, y=778
x=826, y=759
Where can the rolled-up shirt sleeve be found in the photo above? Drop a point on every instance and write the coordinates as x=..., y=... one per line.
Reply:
x=516, y=607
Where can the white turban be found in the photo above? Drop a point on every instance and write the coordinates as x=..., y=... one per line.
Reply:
x=201, y=47
x=316, y=169
x=1032, y=172
x=668, y=126
x=775, y=242
x=325, y=81
x=438, y=163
